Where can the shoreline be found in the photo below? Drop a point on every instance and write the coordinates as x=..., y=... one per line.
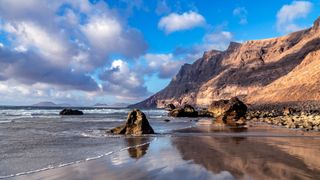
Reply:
x=196, y=143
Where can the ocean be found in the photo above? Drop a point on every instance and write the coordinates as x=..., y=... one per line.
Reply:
x=38, y=143
x=34, y=139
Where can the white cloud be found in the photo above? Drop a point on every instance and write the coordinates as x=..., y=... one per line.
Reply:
x=101, y=31
x=288, y=13
x=163, y=64
x=241, y=13
x=106, y=35
x=62, y=43
x=177, y=22
x=123, y=82
x=30, y=35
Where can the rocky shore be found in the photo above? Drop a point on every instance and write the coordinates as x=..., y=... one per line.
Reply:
x=305, y=120
x=234, y=112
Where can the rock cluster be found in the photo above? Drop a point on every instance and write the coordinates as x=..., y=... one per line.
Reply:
x=289, y=118
x=68, y=111
x=136, y=124
x=230, y=112
x=186, y=111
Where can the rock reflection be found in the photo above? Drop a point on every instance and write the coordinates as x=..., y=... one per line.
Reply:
x=138, y=146
x=249, y=158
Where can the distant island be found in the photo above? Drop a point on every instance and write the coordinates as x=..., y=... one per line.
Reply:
x=111, y=105
x=49, y=104
x=101, y=105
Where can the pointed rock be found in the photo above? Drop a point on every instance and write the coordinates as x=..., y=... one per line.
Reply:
x=136, y=124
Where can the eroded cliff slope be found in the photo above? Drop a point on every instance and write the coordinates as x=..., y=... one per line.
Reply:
x=277, y=70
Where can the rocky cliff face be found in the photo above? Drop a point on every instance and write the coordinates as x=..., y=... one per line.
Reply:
x=277, y=70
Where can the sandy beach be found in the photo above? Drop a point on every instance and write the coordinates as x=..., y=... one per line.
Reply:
x=204, y=152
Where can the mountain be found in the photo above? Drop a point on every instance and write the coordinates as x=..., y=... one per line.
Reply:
x=115, y=105
x=45, y=103
x=270, y=71
x=120, y=105
x=50, y=104
x=101, y=105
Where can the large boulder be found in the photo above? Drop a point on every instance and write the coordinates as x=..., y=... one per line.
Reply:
x=230, y=112
x=186, y=111
x=136, y=124
x=68, y=111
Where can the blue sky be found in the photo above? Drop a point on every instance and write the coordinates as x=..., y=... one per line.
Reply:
x=85, y=52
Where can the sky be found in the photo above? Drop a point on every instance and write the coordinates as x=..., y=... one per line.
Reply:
x=84, y=52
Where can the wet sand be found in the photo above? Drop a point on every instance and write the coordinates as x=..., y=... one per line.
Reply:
x=204, y=152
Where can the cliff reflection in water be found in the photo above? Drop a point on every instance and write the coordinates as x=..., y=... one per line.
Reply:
x=254, y=157
x=138, y=146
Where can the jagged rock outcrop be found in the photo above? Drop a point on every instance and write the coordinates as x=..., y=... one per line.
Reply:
x=136, y=124
x=276, y=70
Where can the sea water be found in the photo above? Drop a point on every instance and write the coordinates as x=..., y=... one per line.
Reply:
x=33, y=139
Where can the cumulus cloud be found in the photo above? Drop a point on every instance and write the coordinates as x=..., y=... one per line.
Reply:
x=163, y=64
x=62, y=43
x=123, y=82
x=107, y=35
x=288, y=13
x=241, y=13
x=30, y=68
x=28, y=35
x=177, y=22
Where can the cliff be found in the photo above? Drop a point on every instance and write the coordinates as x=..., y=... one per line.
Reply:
x=276, y=70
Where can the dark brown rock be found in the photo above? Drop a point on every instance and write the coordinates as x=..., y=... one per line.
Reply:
x=136, y=124
x=230, y=112
x=186, y=111
x=204, y=113
x=68, y=111
x=170, y=107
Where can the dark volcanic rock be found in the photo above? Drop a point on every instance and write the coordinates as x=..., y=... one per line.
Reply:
x=68, y=111
x=186, y=111
x=170, y=107
x=136, y=124
x=204, y=113
x=230, y=112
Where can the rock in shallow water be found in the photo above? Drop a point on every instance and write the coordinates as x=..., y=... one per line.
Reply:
x=230, y=112
x=68, y=111
x=136, y=124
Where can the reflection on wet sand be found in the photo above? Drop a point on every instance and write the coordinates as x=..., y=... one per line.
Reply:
x=203, y=153
x=138, y=146
x=252, y=157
